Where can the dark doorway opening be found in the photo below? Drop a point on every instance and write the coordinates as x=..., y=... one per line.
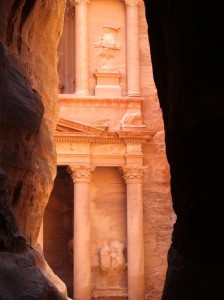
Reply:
x=58, y=228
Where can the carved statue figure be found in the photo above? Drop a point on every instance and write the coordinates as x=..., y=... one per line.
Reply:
x=112, y=258
x=132, y=118
x=108, y=44
x=105, y=258
x=117, y=256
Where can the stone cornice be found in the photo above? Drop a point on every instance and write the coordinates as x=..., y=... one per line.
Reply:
x=133, y=174
x=80, y=173
x=60, y=137
x=63, y=98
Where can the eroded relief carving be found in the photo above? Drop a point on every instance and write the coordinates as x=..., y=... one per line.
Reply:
x=111, y=258
x=132, y=118
x=103, y=124
x=105, y=258
x=108, y=45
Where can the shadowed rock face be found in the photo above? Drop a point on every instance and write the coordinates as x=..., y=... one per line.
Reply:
x=29, y=34
x=187, y=55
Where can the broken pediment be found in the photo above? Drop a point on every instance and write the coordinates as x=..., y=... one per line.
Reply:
x=68, y=126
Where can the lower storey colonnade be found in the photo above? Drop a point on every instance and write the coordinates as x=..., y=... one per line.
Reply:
x=133, y=176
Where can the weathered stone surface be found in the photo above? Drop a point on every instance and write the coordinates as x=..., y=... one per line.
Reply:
x=29, y=33
x=187, y=53
x=21, y=279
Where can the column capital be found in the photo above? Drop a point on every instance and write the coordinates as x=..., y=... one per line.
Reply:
x=79, y=2
x=80, y=173
x=132, y=3
x=133, y=174
x=69, y=11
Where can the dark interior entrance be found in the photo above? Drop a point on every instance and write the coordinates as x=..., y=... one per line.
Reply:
x=58, y=228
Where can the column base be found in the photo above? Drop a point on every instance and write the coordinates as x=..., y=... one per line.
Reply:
x=134, y=94
x=82, y=93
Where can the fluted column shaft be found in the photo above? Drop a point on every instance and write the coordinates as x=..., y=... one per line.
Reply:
x=136, y=277
x=133, y=72
x=81, y=46
x=81, y=248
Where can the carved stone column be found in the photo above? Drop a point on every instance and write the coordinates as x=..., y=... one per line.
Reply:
x=133, y=73
x=136, y=277
x=82, y=264
x=81, y=46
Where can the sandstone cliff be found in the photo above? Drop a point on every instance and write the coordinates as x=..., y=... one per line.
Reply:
x=29, y=34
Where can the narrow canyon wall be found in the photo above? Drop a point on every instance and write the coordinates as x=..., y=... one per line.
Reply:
x=186, y=41
x=158, y=213
x=29, y=34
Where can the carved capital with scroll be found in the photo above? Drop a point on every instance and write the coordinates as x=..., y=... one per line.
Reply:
x=80, y=173
x=133, y=174
x=79, y=2
x=132, y=3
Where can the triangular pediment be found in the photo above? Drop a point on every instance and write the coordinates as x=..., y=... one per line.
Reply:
x=69, y=126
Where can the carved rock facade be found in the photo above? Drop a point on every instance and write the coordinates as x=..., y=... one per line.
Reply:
x=110, y=134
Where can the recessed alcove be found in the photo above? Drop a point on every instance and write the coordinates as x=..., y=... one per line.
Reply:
x=58, y=228
x=108, y=220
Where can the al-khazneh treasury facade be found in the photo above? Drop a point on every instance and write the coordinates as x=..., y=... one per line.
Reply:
x=108, y=223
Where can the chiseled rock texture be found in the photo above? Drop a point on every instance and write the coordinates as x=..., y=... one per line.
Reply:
x=186, y=40
x=29, y=34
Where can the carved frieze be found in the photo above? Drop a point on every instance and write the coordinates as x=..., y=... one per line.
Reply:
x=111, y=258
x=80, y=173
